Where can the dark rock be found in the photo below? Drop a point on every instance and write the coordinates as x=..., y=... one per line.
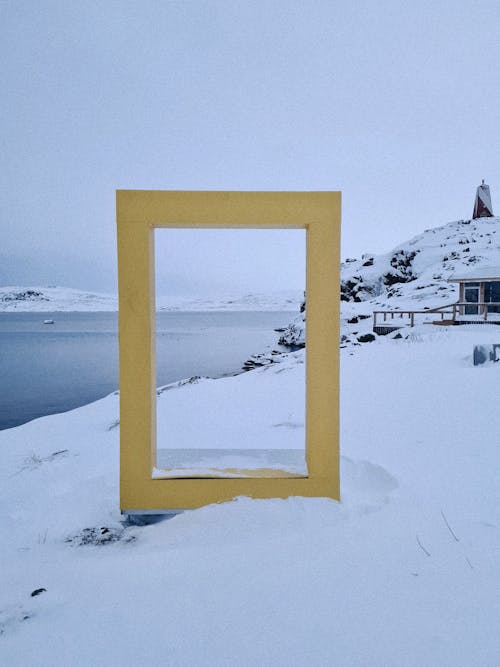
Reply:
x=99, y=536
x=27, y=295
x=354, y=289
x=401, y=263
x=353, y=320
x=366, y=338
x=391, y=278
x=258, y=360
x=38, y=591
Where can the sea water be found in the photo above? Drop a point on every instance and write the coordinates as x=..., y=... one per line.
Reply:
x=50, y=368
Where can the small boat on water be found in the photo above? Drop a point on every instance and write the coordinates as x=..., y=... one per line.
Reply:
x=48, y=321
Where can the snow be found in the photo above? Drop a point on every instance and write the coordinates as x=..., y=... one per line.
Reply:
x=54, y=299
x=295, y=333
x=281, y=301
x=418, y=270
x=263, y=410
x=403, y=571
x=479, y=273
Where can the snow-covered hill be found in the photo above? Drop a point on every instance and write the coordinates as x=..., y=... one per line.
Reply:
x=279, y=301
x=54, y=299
x=412, y=276
x=417, y=272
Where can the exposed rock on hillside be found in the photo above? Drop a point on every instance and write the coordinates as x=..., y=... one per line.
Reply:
x=23, y=295
x=418, y=270
x=412, y=276
x=295, y=333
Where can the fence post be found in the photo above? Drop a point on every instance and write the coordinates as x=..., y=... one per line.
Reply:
x=412, y=319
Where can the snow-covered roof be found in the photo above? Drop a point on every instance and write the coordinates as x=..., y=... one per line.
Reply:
x=478, y=274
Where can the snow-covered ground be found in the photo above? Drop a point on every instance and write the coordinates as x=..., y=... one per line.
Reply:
x=404, y=571
x=261, y=427
x=53, y=299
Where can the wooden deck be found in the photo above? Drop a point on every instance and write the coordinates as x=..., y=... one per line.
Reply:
x=387, y=321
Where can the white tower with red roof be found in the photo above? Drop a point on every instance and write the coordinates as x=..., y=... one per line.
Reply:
x=482, y=205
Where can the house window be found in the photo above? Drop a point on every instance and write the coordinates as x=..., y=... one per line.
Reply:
x=492, y=295
x=471, y=295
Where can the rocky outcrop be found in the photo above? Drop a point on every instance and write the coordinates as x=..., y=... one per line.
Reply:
x=24, y=295
x=419, y=269
x=294, y=335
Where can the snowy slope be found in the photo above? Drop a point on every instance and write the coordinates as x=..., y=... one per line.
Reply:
x=404, y=571
x=417, y=271
x=53, y=299
x=414, y=275
x=282, y=301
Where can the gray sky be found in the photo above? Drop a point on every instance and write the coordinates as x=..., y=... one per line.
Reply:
x=211, y=262
x=394, y=103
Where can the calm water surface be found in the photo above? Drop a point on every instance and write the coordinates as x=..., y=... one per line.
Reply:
x=49, y=368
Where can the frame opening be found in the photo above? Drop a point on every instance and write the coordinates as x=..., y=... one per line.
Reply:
x=223, y=299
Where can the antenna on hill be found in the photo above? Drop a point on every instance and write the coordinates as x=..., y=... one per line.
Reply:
x=482, y=204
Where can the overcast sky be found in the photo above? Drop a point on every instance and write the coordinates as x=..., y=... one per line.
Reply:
x=396, y=104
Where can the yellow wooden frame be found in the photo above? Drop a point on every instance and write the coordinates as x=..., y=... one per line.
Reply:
x=139, y=212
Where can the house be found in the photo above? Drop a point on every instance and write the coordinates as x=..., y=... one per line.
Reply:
x=479, y=293
x=478, y=303
x=478, y=290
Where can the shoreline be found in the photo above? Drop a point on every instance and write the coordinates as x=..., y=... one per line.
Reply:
x=95, y=346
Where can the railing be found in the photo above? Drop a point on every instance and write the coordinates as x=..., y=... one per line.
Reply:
x=454, y=309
